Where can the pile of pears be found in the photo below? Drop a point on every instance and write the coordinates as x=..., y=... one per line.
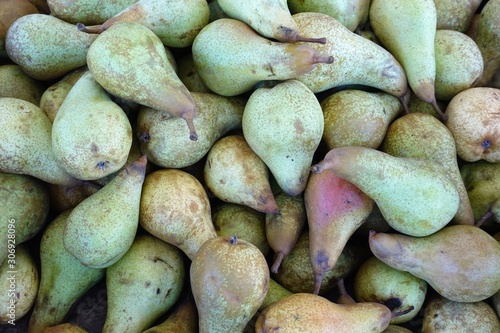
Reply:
x=250, y=166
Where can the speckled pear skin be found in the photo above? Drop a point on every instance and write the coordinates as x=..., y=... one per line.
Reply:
x=129, y=61
x=102, y=227
x=460, y=262
x=87, y=11
x=45, y=46
x=63, y=278
x=357, y=59
x=455, y=15
x=231, y=58
x=284, y=125
x=183, y=319
x=486, y=38
x=415, y=196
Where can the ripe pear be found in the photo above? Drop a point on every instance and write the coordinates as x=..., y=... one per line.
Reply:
x=486, y=38
x=164, y=140
x=175, y=208
x=129, y=61
x=284, y=125
x=14, y=82
x=66, y=328
x=305, y=312
x=355, y=117
x=455, y=15
x=175, y=22
x=91, y=134
x=357, y=60
x=183, y=318
x=46, y=47
x=63, y=278
x=86, y=11
x=420, y=135
x=102, y=227
x=396, y=329
x=283, y=229
x=235, y=173
x=11, y=10
x=335, y=209
x=460, y=275
x=275, y=292
x=229, y=280
x=414, y=195
x=407, y=29
x=473, y=122
x=188, y=73
x=33, y=154
x=231, y=58
x=144, y=284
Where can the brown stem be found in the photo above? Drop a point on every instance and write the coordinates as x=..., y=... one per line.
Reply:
x=344, y=297
x=91, y=29
x=318, y=279
x=277, y=262
x=402, y=312
x=489, y=213
x=443, y=116
x=299, y=38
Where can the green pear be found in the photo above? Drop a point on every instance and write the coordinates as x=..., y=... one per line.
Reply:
x=358, y=118
x=284, y=125
x=357, y=60
x=87, y=11
x=229, y=280
x=188, y=73
x=129, y=61
x=163, y=136
x=11, y=10
x=33, y=154
x=46, y=47
x=392, y=328
x=176, y=22
x=407, y=29
x=275, y=292
x=415, y=195
x=14, y=82
x=101, y=229
x=175, y=208
x=460, y=262
x=91, y=134
x=352, y=14
x=63, y=278
x=455, y=15
x=486, y=38
x=420, y=135
x=232, y=58
x=144, y=284
x=415, y=104
x=473, y=121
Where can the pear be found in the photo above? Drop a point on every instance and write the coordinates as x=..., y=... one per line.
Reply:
x=355, y=117
x=175, y=208
x=407, y=29
x=351, y=14
x=66, y=328
x=144, y=284
x=358, y=60
x=175, y=22
x=376, y=281
x=414, y=195
x=164, y=140
x=188, y=73
x=283, y=229
x=11, y=10
x=459, y=63
x=455, y=15
x=442, y=315
x=45, y=46
x=420, y=135
x=235, y=173
x=231, y=219
x=486, y=38
x=473, y=122
x=19, y=280
x=91, y=134
x=14, y=82
x=284, y=125
x=86, y=11
x=305, y=312
x=335, y=209
x=231, y=58
x=63, y=278
x=275, y=292
x=229, y=280
x=129, y=61
x=33, y=154
x=396, y=329
x=440, y=260
x=102, y=227
x=271, y=19
x=415, y=104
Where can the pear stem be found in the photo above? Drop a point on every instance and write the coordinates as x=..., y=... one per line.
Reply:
x=443, y=116
x=277, y=262
x=192, y=131
x=233, y=240
x=486, y=216
x=322, y=59
x=344, y=297
x=299, y=38
x=318, y=279
x=405, y=104
x=403, y=312
x=92, y=29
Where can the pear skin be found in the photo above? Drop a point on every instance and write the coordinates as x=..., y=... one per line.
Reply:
x=335, y=210
x=65, y=328
x=275, y=292
x=183, y=319
x=10, y=11
x=415, y=196
x=455, y=15
x=439, y=259
x=486, y=38
x=14, y=82
x=86, y=11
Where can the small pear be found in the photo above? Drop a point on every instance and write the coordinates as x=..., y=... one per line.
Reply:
x=284, y=125
x=144, y=284
x=129, y=61
x=455, y=15
x=439, y=259
x=11, y=10
x=183, y=318
x=14, y=82
x=102, y=227
x=175, y=208
x=415, y=195
x=63, y=278
x=46, y=47
x=486, y=38
x=86, y=11
x=229, y=279
x=231, y=58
